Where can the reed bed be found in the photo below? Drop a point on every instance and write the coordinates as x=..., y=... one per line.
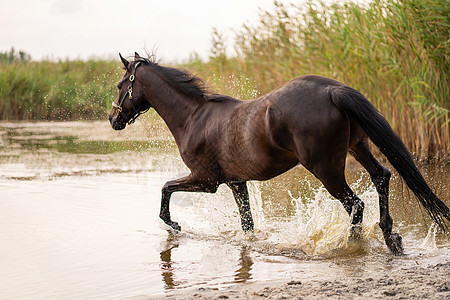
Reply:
x=62, y=90
x=395, y=52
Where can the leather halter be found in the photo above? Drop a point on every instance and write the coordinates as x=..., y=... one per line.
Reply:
x=129, y=93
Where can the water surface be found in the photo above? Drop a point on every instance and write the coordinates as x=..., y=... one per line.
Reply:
x=79, y=208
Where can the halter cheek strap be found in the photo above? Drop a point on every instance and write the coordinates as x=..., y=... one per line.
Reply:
x=129, y=92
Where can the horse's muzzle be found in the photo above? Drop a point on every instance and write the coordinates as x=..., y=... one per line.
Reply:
x=116, y=122
x=118, y=125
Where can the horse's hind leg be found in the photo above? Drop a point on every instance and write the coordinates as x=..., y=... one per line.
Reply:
x=331, y=174
x=380, y=177
x=240, y=193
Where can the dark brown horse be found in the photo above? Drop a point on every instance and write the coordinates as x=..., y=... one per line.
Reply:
x=312, y=120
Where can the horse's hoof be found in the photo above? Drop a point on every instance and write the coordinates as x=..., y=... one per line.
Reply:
x=174, y=225
x=355, y=233
x=394, y=243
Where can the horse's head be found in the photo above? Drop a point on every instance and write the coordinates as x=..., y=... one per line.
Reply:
x=130, y=102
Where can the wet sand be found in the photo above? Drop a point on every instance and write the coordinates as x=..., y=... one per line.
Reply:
x=432, y=282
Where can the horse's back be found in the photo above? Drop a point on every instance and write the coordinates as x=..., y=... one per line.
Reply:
x=307, y=91
x=302, y=104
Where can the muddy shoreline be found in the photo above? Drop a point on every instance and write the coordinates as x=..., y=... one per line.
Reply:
x=432, y=282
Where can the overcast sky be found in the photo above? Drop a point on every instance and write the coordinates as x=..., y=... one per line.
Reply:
x=102, y=28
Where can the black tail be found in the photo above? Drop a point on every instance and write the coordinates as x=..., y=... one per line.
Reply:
x=358, y=108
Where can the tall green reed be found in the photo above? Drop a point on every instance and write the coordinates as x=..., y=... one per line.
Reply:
x=394, y=52
x=63, y=90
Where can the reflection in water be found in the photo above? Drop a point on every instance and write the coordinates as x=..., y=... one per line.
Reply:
x=52, y=183
x=169, y=270
x=167, y=265
x=245, y=262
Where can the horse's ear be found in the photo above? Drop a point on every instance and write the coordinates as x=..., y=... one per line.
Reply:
x=136, y=56
x=125, y=62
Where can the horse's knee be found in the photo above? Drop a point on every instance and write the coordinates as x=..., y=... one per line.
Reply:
x=167, y=188
x=211, y=187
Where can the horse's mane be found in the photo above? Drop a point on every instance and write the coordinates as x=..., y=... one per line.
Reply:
x=185, y=82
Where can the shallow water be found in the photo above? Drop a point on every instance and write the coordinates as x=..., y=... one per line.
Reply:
x=79, y=208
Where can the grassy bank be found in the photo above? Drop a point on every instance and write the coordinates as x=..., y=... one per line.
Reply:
x=397, y=53
x=64, y=90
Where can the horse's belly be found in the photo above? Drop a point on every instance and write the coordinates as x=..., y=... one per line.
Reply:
x=259, y=167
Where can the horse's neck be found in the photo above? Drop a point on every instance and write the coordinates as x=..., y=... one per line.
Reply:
x=173, y=108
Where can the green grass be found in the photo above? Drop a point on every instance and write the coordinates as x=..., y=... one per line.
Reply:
x=397, y=53
x=64, y=90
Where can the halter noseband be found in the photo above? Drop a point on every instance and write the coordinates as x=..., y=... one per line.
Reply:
x=129, y=92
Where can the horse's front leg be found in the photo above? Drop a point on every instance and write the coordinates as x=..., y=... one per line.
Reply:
x=240, y=193
x=185, y=184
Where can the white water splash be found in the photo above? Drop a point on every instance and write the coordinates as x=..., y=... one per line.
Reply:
x=429, y=243
x=327, y=224
x=320, y=225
